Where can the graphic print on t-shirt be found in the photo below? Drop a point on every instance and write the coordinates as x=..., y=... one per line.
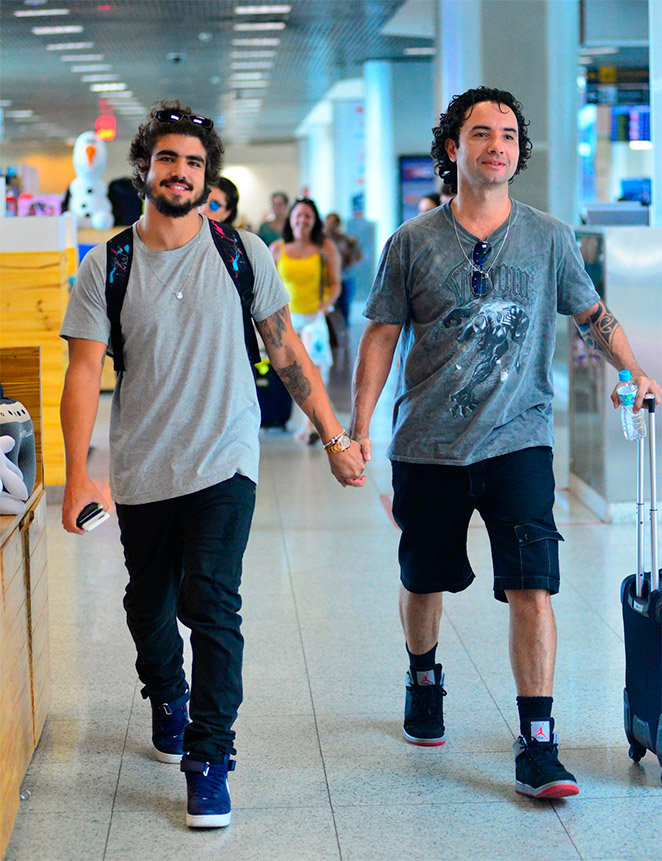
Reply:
x=494, y=329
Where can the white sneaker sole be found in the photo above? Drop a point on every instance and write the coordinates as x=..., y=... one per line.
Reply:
x=423, y=742
x=168, y=757
x=210, y=820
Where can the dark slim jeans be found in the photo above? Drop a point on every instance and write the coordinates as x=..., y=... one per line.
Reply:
x=184, y=560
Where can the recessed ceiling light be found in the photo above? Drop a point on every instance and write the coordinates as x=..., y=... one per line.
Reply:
x=253, y=64
x=422, y=51
x=107, y=88
x=39, y=13
x=247, y=76
x=246, y=55
x=93, y=67
x=18, y=115
x=90, y=79
x=127, y=94
x=70, y=46
x=5, y=103
x=247, y=85
x=205, y=36
x=248, y=43
x=262, y=10
x=260, y=25
x=81, y=58
x=52, y=31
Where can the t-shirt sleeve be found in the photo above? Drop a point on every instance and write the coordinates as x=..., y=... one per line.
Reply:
x=387, y=302
x=575, y=290
x=269, y=294
x=86, y=315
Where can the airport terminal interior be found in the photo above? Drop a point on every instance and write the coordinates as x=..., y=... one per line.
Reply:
x=332, y=100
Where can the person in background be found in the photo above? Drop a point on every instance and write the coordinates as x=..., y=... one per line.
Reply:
x=309, y=266
x=350, y=252
x=428, y=202
x=222, y=202
x=272, y=229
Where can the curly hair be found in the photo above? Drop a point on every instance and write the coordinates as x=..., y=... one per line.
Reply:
x=458, y=111
x=144, y=141
x=317, y=233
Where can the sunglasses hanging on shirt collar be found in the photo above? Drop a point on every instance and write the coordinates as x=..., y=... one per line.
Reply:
x=166, y=116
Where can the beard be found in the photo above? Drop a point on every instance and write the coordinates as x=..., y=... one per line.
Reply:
x=173, y=210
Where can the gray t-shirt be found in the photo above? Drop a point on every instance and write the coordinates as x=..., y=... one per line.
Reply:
x=184, y=414
x=475, y=375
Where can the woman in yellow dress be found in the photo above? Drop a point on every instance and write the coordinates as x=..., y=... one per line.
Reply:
x=309, y=266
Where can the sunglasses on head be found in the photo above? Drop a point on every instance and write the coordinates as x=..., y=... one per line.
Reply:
x=166, y=116
x=481, y=283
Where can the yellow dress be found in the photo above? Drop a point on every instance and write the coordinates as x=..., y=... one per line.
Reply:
x=302, y=279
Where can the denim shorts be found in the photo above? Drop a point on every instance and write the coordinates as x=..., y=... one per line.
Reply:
x=514, y=495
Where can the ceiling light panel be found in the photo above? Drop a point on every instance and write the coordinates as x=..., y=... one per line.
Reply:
x=39, y=13
x=70, y=46
x=53, y=31
x=93, y=67
x=248, y=43
x=262, y=10
x=260, y=26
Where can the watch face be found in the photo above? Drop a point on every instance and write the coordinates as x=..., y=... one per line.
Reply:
x=344, y=442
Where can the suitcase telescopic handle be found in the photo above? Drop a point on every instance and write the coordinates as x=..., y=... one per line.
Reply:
x=649, y=401
x=655, y=571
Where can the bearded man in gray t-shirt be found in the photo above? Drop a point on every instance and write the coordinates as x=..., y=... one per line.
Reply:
x=184, y=440
x=472, y=290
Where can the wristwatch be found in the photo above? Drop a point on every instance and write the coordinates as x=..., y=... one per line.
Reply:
x=340, y=442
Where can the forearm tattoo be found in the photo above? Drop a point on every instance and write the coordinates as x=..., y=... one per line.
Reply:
x=298, y=384
x=599, y=330
x=273, y=328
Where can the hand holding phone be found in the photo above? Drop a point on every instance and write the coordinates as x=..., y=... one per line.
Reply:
x=91, y=516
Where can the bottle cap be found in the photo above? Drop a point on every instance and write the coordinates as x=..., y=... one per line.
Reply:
x=624, y=376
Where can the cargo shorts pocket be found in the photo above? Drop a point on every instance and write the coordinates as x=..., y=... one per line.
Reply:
x=538, y=550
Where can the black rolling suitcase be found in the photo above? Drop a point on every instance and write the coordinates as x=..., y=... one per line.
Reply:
x=274, y=399
x=642, y=623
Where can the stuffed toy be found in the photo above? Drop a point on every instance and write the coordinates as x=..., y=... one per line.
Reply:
x=16, y=423
x=13, y=492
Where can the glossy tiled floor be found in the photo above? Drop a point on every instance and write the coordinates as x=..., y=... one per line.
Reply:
x=323, y=772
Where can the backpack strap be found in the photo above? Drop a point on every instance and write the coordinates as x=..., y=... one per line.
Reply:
x=119, y=253
x=233, y=253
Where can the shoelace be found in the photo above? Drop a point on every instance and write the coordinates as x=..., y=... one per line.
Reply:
x=543, y=756
x=427, y=698
x=205, y=787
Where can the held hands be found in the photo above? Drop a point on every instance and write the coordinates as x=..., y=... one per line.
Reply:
x=77, y=494
x=347, y=466
x=644, y=386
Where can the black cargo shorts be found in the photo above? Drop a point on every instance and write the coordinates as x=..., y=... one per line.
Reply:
x=514, y=495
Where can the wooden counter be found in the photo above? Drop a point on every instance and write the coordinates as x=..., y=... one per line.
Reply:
x=24, y=637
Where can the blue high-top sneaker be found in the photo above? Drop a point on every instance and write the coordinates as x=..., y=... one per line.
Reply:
x=538, y=772
x=208, y=796
x=169, y=720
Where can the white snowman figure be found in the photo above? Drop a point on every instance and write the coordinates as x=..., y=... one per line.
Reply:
x=89, y=201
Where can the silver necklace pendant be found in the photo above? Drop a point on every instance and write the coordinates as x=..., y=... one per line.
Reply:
x=179, y=295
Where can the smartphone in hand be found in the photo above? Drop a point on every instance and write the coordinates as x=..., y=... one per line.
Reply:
x=91, y=516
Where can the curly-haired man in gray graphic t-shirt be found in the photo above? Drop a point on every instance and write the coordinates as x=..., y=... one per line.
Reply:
x=472, y=290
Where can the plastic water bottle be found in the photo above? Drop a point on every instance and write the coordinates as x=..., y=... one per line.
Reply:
x=634, y=426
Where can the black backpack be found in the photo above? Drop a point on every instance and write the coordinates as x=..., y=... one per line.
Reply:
x=119, y=253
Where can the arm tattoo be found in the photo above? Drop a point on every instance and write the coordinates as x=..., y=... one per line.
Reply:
x=598, y=331
x=298, y=384
x=273, y=327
